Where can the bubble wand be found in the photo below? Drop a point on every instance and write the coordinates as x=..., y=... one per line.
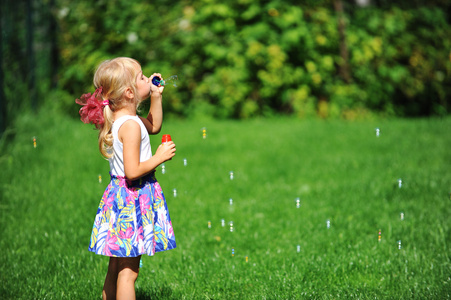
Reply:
x=172, y=80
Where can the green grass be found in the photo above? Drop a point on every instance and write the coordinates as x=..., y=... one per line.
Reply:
x=341, y=171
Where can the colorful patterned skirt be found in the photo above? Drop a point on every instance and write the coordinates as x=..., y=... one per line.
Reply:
x=132, y=219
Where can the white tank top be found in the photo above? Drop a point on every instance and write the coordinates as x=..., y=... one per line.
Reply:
x=117, y=160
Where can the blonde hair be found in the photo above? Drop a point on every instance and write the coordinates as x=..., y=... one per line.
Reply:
x=114, y=76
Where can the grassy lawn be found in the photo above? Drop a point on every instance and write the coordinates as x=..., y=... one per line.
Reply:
x=342, y=173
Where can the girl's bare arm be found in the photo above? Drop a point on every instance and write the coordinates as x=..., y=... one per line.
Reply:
x=154, y=118
x=130, y=136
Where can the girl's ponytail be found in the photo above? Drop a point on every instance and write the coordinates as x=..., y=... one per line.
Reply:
x=105, y=134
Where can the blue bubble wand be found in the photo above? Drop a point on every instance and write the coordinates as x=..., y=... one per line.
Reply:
x=171, y=80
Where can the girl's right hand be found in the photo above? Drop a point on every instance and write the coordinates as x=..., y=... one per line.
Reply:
x=153, y=88
x=166, y=151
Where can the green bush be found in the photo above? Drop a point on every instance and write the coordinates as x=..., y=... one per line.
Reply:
x=241, y=59
x=401, y=60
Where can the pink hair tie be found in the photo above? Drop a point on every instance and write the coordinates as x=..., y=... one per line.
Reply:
x=105, y=102
x=92, y=108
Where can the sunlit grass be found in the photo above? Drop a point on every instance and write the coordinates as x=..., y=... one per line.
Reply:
x=340, y=171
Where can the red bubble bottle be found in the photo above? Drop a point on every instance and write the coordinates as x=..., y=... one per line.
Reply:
x=166, y=138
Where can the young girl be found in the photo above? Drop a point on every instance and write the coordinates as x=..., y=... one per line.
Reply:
x=132, y=218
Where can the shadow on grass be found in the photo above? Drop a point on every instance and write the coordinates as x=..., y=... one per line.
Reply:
x=163, y=292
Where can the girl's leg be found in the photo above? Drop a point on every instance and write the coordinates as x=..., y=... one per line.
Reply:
x=128, y=269
x=109, y=288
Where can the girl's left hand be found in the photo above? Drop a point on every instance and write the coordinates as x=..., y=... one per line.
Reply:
x=153, y=88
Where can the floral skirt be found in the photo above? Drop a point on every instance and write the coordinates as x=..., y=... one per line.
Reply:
x=132, y=219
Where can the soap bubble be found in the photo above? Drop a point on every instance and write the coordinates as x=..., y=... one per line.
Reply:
x=298, y=202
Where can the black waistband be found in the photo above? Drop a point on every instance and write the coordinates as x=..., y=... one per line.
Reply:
x=137, y=182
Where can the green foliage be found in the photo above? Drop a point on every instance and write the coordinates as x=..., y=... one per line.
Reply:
x=340, y=170
x=402, y=60
x=241, y=59
x=237, y=59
